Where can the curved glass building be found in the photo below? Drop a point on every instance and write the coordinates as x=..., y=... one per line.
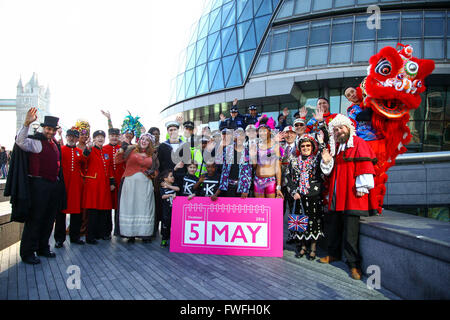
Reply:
x=287, y=53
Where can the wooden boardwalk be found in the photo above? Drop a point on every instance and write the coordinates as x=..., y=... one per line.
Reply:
x=117, y=270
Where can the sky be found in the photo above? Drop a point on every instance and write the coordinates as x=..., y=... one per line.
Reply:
x=94, y=55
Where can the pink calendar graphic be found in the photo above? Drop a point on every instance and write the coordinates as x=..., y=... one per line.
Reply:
x=228, y=226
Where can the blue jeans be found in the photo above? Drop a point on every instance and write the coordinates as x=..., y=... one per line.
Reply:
x=4, y=172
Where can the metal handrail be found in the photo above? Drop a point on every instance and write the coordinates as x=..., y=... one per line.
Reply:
x=423, y=157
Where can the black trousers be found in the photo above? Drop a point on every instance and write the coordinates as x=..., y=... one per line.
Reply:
x=45, y=202
x=231, y=192
x=97, y=224
x=74, y=227
x=288, y=200
x=344, y=227
x=166, y=222
x=158, y=211
x=108, y=223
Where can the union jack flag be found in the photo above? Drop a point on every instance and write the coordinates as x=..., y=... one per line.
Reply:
x=297, y=222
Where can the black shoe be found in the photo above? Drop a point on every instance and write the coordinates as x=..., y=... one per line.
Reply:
x=298, y=252
x=92, y=241
x=311, y=257
x=59, y=244
x=131, y=240
x=146, y=240
x=31, y=260
x=79, y=241
x=290, y=241
x=47, y=254
x=106, y=238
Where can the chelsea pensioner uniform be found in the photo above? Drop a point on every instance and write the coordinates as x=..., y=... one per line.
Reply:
x=97, y=192
x=73, y=162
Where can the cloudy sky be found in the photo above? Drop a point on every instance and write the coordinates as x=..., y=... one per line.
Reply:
x=114, y=55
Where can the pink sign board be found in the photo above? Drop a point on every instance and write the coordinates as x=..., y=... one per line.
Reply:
x=227, y=226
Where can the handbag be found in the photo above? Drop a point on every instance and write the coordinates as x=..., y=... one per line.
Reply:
x=297, y=222
x=315, y=188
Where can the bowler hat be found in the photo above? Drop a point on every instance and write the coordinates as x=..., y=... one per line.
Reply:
x=113, y=131
x=74, y=133
x=98, y=133
x=50, y=121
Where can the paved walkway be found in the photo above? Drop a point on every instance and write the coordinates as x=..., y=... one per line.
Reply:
x=118, y=270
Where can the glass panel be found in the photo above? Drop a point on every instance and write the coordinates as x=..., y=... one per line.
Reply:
x=335, y=100
x=250, y=40
x=212, y=70
x=296, y=58
x=247, y=13
x=321, y=4
x=201, y=51
x=199, y=71
x=318, y=56
x=261, y=26
x=213, y=46
x=242, y=30
x=266, y=8
x=434, y=49
x=190, y=56
x=433, y=135
x=341, y=53
x=271, y=110
x=232, y=44
x=361, y=30
x=218, y=82
x=342, y=30
x=277, y=61
x=446, y=136
x=257, y=5
x=302, y=6
x=434, y=24
x=343, y=3
x=279, y=41
x=448, y=47
x=246, y=59
x=227, y=64
x=298, y=37
x=416, y=128
x=412, y=25
x=261, y=66
x=226, y=10
x=231, y=19
x=190, y=80
x=203, y=26
x=363, y=51
x=286, y=9
x=309, y=100
x=367, y=1
x=266, y=47
x=235, y=78
x=389, y=26
x=203, y=88
x=389, y=43
x=214, y=21
x=320, y=32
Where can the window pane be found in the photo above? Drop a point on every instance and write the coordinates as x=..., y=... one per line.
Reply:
x=363, y=51
x=302, y=6
x=434, y=24
x=389, y=43
x=266, y=47
x=298, y=38
x=342, y=30
x=448, y=48
x=322, y=4
x=434, y=49
x=361, y=30
x=279, y=41
x=296, y=58
x=318, y=56
x=335, y=100
x=412, y=25
x=286, y=9
x=433, y=135
x=320, y=33
x=343, y=3
x=389, y=26
x=417, y=47
x=341, y=53
x=261, y=66
x=277, y=61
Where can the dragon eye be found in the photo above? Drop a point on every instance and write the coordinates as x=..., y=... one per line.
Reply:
x=411, y=68
x=400, y=76
x=383, y=67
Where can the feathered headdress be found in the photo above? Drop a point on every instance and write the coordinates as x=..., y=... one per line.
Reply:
x=82, y=126
x=131, y=124
x=264, y=121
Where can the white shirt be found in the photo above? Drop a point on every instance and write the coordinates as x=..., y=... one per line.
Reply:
x=27, y=144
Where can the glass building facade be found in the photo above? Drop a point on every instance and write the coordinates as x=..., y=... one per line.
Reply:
x=287, y=53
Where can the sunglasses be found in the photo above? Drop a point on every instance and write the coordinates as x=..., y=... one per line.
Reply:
x=306, y=146
x=299, y=125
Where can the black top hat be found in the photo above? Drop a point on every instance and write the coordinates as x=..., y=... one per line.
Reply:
x=50, y=121
x=74, y=133
x=98, y=133
x=188, y=124
x=113, y=131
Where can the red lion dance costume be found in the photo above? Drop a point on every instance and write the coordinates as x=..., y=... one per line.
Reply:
x=392, y=88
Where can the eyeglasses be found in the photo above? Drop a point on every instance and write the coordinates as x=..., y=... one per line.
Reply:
x=299, y=125
x=306, y=146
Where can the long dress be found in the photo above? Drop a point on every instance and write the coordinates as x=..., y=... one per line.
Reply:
x=305, y=178
x=137, y=199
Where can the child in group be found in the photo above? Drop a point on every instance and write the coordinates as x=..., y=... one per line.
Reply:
x=168, y=193
x=209, y=182
x=189, y=181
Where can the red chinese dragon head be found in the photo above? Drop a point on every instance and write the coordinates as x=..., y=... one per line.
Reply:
x=392, y=89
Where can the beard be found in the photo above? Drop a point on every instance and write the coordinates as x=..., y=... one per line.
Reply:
x=343, y=138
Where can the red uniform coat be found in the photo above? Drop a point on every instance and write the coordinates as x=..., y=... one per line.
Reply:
x=117, y=170
x=73, y=162
x=97, y=190
x=348, y=165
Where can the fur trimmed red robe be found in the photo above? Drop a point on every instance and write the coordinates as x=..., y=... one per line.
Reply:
x=348, y=165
